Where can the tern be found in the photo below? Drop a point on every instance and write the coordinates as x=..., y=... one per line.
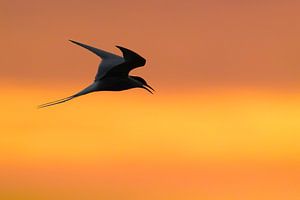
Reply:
x=112, y=74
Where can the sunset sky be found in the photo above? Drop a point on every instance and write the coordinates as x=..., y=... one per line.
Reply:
x=224, y=123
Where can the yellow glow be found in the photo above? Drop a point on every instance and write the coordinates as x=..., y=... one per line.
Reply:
x=134, y=124
x=168, y=146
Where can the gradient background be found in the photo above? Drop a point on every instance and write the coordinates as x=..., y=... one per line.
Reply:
x=223, y=124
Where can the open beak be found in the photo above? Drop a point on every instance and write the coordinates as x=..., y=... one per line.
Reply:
x=147, y=89
x=150, y=87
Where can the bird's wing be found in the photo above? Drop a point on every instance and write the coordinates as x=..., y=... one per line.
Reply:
x=132, y=61
x=101, y=53
x=106, y=65
x=109, y=60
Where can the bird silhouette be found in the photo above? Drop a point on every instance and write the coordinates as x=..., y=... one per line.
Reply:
x=112, y=74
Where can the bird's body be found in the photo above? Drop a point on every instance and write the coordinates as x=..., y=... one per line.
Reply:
x=116, y=84
x=113, y=73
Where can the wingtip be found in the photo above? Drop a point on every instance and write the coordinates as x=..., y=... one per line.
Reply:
x=119, y=47
x=77, y=43
x=73, y=41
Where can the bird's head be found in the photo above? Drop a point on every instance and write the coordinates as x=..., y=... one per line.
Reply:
x=143, y=84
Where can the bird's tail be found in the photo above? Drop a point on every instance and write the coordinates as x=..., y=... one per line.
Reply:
x=87, y=90
x=56, y=102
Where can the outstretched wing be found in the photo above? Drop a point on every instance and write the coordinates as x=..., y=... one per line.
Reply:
x=132, y=61
x=109, y=60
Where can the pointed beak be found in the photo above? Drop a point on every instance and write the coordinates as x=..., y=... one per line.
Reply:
x=147, y=89
x=150, y=87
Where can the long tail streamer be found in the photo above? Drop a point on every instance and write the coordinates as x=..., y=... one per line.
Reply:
x=56, y=102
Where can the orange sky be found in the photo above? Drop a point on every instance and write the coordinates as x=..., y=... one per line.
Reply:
x=212, y=43
x=223, y=124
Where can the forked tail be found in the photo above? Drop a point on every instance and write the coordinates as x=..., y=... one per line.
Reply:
x=89, y=89
x=56, y=102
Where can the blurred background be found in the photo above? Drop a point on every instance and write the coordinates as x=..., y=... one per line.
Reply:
x=223, y=124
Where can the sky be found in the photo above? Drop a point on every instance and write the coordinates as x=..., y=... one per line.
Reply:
x=223, y=124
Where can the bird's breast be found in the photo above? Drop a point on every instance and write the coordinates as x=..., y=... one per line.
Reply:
x=115, y=84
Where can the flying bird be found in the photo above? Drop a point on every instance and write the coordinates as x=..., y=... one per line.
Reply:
x=112, y=74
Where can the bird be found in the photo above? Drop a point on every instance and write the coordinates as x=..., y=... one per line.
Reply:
x=113, y=73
